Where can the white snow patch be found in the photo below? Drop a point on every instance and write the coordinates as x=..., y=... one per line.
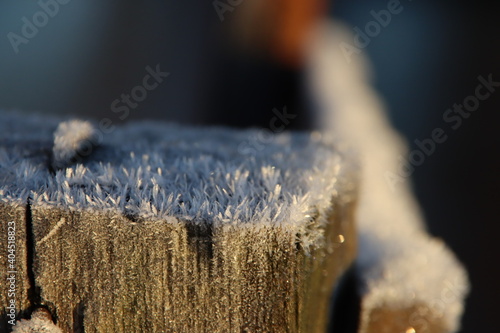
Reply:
x=398, y=263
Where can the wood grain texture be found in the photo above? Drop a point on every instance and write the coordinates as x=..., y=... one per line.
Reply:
x=14, y=270
x=105, y=273
x=94, y=267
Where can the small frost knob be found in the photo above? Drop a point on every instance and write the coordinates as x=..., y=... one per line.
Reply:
x=40, y=322
x=72, y=139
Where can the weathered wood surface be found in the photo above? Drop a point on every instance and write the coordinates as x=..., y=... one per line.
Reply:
x=155, y=228
x=98, y=264
x=14, y=258
x=108, y=274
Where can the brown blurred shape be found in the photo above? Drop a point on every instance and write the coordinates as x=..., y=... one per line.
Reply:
x=276, y=28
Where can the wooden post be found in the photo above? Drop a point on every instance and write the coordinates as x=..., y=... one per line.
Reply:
x=156, y=228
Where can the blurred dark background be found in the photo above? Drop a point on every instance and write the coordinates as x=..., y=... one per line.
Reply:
x=429, y=57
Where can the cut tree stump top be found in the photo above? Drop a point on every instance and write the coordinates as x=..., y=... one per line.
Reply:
x=162, y=228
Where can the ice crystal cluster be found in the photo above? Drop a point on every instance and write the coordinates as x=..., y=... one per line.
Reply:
x=154, y=171
x=40, y=322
